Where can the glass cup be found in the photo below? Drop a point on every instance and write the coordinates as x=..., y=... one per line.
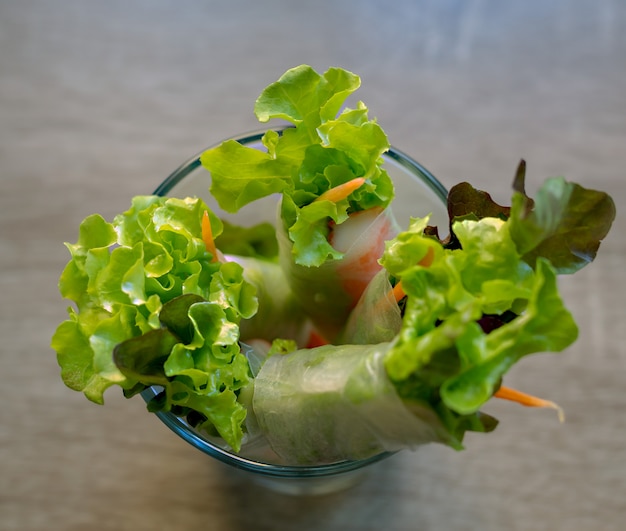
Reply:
x=418, y=193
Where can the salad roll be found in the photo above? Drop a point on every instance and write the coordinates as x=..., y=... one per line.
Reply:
x=329, y=292
x=327, y=169
x=335, y=403
x=472, y=307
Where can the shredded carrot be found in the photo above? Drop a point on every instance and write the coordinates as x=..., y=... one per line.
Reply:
x=506, y=393
x=397, y=292
x=207, y=236
x=341, y=191
x=428, y=258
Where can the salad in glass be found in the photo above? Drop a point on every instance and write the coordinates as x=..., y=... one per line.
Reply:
x=334, y=334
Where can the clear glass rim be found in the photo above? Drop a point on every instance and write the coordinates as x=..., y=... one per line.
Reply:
x=392, y=153
x=183, y=430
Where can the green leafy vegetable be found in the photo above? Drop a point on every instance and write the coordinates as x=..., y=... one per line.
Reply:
x=258, y=241
x=564, y=223
x=152, y=307
x=323, y=149
x=441, y=354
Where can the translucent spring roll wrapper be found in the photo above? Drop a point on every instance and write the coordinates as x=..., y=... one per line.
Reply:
x=254, y=444
x=278, y=314
x=334, y=403
x=329, y=292
x=377, y=317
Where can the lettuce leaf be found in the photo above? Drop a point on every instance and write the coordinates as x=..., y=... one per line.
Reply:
x=323, y=149
x=564, y=223
x=258, y=241
x=152, y=307
x=544, y=326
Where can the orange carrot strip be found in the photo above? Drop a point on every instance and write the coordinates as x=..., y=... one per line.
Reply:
x=397, y=292
x=341, y=191
x=428, y=258
x=207, y=236
x=506, y=393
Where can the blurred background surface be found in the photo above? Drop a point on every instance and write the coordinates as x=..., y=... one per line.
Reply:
x=100, y=101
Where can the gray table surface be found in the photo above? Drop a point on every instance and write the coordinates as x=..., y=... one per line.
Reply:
x=99, y=101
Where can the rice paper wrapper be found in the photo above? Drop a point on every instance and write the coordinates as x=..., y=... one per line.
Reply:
x=279, y=313
x=377, y=317
x=332, y=403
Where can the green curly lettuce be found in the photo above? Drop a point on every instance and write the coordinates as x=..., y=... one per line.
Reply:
x=442, y=354
x=323, y=149
x=153, y=308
